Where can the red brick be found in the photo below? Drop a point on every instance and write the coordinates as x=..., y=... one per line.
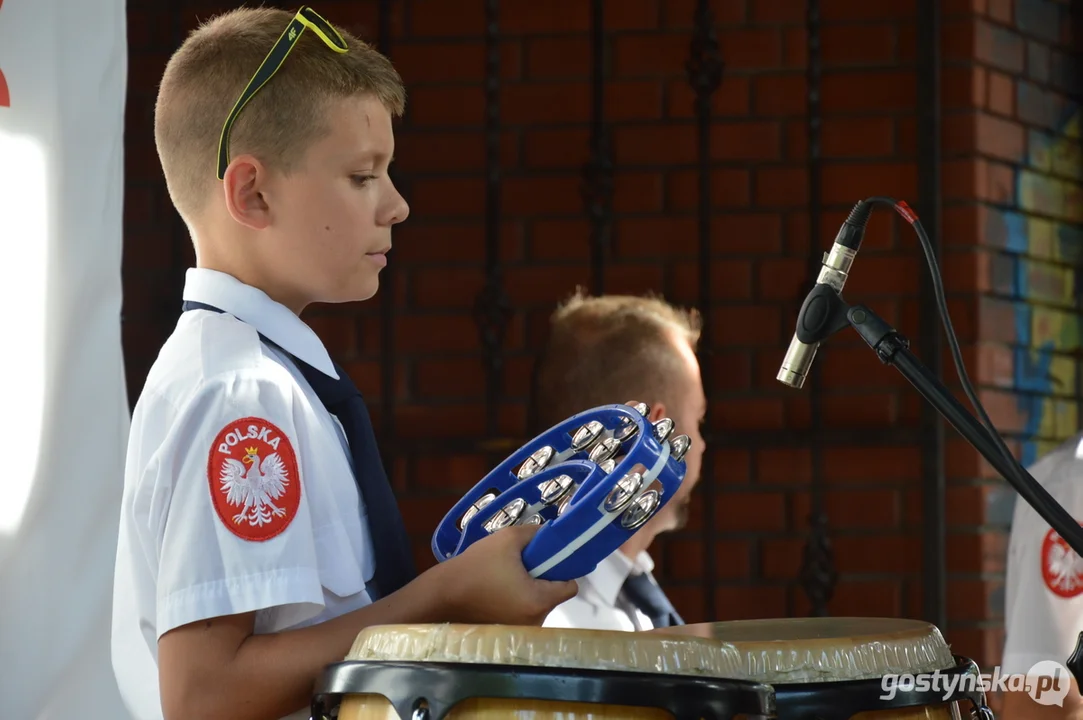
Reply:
x=864, y=46
x=760, y=324
x=541, y=195
x=780, y=94
x=556, y=148
x=443, y=62
x=963, y=87
x=871, y=90
x=688, y=600
x=542, y=103
x=440, y=421
x=729, y=188
x=783, y=466
x=457, y=241
x=447, y=287
x=746, y=141
x=781, y=558
x=638, y=192
x=447, y=106
x=794, y=47
x=875, y=409
x=878, y=553
x=999, y=47
x=533, y=285
x=749, y=602
x=848, y=183
x=864, y=137
x=437, y=333
x=631, y=14
x=1001, y=94
x=448, y=197
x=1001, y=11
x=730, y=280
x=633, y=279
x=999, y=138
x=657, y=144
x=648, y=237
x=964, y=7
x=432, y=379
x=746, y=233
x=563, y=57
x=680, y=13
x=749, y=414
x=560, y=239
x=732, y=98
x=528, y=16
x=783, y=278
x=778, y=12
x=852, y=10
x=732, y=468
x=854, y=598
x=338, y=332
x=729, y=370
x=649, y=55
x=782, y=186
x=876, y=464
x=863, y=509
x=747, y=49
x=633, y=100
x=423, y=514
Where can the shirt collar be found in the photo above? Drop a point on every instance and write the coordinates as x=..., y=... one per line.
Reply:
x=608, y=578
x=254, y=307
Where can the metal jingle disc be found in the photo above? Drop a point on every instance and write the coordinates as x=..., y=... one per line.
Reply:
x=608, y=466
x=475, y=508
x=535, y=462
x=506, y=516
x=625, y=429
x=623, y=492
x=585, y=436
x=679, y=446
x=534, y=519
x=663, y=429
x=605, y=450
x=641, y=510
x=642, y=408
x=564, y=504
x=555, y=489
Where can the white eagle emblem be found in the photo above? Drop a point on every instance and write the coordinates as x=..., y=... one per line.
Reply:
x=1063, y=567
x=256, y=487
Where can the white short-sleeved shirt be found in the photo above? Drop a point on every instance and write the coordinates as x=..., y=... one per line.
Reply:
x=598, y=605
x=239, y=492
x=1043, y=610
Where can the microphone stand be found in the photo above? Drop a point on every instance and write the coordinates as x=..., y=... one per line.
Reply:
x=894, y=349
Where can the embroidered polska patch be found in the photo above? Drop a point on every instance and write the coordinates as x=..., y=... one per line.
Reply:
x=254, y=481
x=1062, y=569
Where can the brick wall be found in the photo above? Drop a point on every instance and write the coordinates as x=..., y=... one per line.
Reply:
x=1011, y=200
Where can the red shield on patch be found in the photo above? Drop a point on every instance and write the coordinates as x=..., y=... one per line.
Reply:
x=1062, y=569
x=254, y=481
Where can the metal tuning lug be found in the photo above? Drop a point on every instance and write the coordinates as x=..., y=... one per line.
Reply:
x=585, y=436
x=605, y=450
x=663, y=429
x=623, y=492
x=506, y=516
x=679, y=446
x=555, y=489
x=641, y=510
x=475, y=508
x=535, y=463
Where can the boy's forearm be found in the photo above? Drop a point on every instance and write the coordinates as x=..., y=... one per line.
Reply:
x=273, y=675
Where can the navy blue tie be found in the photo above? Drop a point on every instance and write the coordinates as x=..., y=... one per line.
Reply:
x=391, y=544
x=649, y=599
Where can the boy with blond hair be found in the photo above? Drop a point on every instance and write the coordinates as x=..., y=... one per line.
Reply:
x=259, y=534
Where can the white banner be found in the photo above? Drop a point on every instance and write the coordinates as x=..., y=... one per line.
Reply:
x=63, y=406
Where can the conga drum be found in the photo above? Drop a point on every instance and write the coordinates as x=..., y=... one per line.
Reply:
x=499, y=672
x=850, y=668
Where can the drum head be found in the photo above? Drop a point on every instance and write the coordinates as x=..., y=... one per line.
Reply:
x=801, y=650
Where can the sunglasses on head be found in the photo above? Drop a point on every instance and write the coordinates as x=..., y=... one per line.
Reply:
x=306, y=17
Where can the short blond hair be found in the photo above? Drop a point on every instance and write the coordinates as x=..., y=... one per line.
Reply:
x=207, y=74
x=609, y=349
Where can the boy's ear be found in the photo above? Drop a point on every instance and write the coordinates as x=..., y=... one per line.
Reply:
x=243, y=186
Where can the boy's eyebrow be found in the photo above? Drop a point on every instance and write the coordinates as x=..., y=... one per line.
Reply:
x=367, y=156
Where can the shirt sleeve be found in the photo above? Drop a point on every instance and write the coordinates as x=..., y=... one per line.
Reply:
x=229, y=510
x=1044, y=583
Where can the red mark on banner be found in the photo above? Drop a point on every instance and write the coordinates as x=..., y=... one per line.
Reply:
x=1062, y=570
x=254, y=481
x=5, y=96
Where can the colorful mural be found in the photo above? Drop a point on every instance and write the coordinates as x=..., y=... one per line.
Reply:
x=1046, y=239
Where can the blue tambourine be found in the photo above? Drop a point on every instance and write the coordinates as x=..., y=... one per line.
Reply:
x=591, y=482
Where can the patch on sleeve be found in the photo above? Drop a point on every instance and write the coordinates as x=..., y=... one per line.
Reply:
x=1062, y=570
x=254, y=481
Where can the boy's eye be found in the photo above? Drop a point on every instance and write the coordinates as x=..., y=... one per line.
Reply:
x=361, y=179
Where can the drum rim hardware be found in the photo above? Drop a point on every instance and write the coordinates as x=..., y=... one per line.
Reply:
x=440, y=686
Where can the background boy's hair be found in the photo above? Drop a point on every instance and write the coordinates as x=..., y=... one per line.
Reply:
x=207, y=74
x=609, y=349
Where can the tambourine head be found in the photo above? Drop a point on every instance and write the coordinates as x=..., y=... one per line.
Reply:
x=591, y=482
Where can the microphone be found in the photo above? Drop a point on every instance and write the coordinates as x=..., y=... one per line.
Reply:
x=816, y=321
